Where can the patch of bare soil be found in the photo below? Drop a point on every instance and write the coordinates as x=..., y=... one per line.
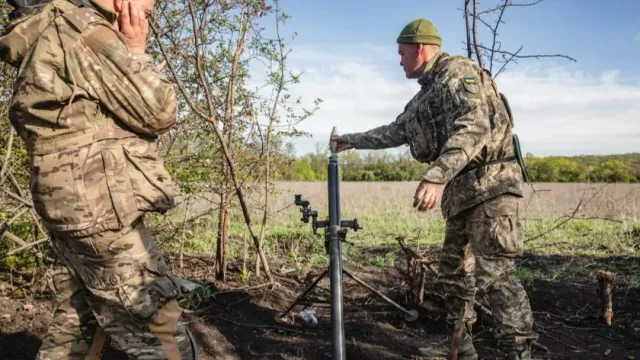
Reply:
x=237, y=321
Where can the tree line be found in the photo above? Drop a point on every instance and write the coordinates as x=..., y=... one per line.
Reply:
x=385, y=166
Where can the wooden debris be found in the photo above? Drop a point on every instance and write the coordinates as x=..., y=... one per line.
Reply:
x=418, y=264
x=607, y=284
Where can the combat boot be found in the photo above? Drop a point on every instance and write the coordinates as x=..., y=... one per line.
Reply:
x=441, y=350
x=524, y=355
x=518, y=352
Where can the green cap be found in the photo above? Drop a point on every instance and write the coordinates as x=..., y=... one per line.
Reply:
x=420, y=31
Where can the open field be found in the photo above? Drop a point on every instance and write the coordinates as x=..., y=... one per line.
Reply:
x=613, y=201
x=565, y=249
x=563, y=219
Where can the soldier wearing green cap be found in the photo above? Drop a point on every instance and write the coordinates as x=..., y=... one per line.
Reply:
x=461, y=126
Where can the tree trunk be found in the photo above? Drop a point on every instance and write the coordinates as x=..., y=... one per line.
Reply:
x=223, y=225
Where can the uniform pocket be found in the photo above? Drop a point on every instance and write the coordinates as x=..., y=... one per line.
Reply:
x=153, y=187
x=120, y=190
x=127, y=269
x=69, y=190
x=418, y=141
x=494, y=228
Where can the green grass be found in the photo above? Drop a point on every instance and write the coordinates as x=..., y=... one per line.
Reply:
x=561, y=249
x=574, y=243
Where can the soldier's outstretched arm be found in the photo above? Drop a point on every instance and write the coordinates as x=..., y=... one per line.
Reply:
x=382, y=137
x=468, y=123
x=126, y=84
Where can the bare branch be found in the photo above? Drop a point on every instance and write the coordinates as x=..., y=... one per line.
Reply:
x=172, y=69
x=466, y=20
x=18, y=198
x=507, y=62
x=475, y=33
x=537, y=56
x=22, y=243
x=7, y=156
x=567, y=218
x=22, y=198
x=507, y=4
x=495, y=34
x=24, y=247
x=196, y=39
x=7, y=223
x=272, y=118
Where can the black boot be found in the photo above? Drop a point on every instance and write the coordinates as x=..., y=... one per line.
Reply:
x=518, y=352
x=441, y=350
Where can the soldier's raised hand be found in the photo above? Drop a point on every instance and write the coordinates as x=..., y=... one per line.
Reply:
x=133, y=25
x=342, y=145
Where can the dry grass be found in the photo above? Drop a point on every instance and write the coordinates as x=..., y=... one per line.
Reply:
x=610, y=201
x=606, y=223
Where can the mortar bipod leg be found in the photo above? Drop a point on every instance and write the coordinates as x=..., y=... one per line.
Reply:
x=281, y=315
x=409, y=315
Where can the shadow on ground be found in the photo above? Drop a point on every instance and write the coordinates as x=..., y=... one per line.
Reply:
x=240, y=324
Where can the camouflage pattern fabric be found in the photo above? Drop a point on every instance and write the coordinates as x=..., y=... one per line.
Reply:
x=479, y=252
x=455, y=122
x=89, y=112
x=115, y=289
x=74, y=332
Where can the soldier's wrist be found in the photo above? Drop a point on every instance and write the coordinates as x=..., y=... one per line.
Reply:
x=434, y=175
x=347, y=139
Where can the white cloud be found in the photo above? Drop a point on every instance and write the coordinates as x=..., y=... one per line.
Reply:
x=557, y=110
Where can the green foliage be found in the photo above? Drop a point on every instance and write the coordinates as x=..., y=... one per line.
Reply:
x=297, y=170
x=16, y=175
x=611, y=168
x=383, y=166
x=24, y=229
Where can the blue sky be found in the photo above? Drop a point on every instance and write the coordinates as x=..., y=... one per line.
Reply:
x=573, y=27
x=346, y=51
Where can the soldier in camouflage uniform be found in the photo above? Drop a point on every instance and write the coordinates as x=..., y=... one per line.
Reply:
x=89, y=105
x=459, y=125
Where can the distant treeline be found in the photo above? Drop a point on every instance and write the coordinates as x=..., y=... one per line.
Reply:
x=384, y=166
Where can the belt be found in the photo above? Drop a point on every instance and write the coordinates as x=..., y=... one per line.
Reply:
x=487, y=163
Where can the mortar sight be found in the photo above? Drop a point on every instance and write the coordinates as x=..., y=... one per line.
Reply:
x=300, y=201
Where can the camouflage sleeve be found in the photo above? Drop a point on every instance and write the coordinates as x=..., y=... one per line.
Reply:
x=127, y=85
x=382, y=137
x=468, y=124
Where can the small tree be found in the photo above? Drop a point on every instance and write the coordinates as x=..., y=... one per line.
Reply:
x=230, y=136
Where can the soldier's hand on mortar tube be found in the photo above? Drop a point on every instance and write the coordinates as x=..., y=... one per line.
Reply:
x=133, y=25
x=342, y=144
x=427, y=195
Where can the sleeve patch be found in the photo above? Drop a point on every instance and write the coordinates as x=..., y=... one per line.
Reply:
x=471, y=84
x=469, y=79
x=99, y=37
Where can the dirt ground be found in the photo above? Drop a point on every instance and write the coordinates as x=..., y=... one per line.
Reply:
x=239, y=324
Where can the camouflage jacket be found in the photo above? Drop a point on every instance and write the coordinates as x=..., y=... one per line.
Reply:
x=459, y=125
x=89, y=113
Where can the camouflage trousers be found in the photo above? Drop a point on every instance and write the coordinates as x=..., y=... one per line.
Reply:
x=478, y=256
x=114, y=289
